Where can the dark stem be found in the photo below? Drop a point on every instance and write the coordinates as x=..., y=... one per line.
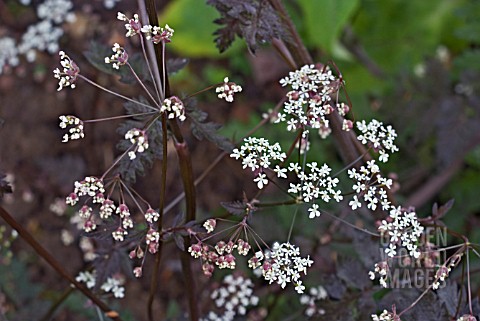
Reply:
x=297, y=49
x=185, y=162
x=57, y=266
x=48, y=316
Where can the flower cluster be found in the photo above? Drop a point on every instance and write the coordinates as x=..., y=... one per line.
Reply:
x=119, y=57
x=43, y=35
x=174, y=108
x=154, y=33
x=220, y=255
x=76, y=127
x=370, y=186
x=444, y=270
x=56, y=11
x=258, y=154
x=89, y=186
x=314, y=295
x=158, y=34
x=309, y=101
x=386, y=316
x=380, y=138
x=68, y=75
x=227, y=90
x=403, y=228
x=139, y=139
x=133, y=25
x=314, y=184
x=382, y=269
x=232, y=298
x=112, y=284
x=8, y=53
x=467, y=317
x=282, y=264
x=94, y=189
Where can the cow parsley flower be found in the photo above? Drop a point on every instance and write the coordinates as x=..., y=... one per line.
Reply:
x=403, y=229
x=119, y=57
x=74, y=125
x=379, y=137
x=283, y=264
x=232, y=298
x=68, y=75
x=369, y=186
x=258, y=155
x=133, y=25
x=158, y=34
x=139, y=139
x=227, y=90
x=309, y=101
x=174, y=108
x=314, y=183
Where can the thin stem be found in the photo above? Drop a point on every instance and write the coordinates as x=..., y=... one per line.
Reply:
x=49, y=314
x=115, y=94
x=57, y=266
x=292, y=224
x=118, y=117
x=469, y=290
x=147, y=61
x=143, y=85
x=350, y=224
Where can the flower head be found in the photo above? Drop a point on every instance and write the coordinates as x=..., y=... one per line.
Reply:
x=68, y=75
x=227, y=90
x=75, y=127
x=283, y=264
x=119, y=57
x=174, y=108
x=139, y=139
x=133, y=25
x=158, y=34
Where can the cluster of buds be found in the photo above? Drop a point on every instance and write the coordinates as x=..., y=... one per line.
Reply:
x=119, y=57
x=68, y=75
x=158, y=34
x=154, y=33
x=74, y=125
x=227, y=90
x=221, y=255
x=386, y=316
x=174, y=108
x=381, y=268
x=444, y=270
x=139, y=139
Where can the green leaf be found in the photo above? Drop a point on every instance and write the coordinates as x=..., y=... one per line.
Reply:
x=192, y=21
x=325, y=19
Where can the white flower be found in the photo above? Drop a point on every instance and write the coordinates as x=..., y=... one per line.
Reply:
x=139, y=139
x=227, y=90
